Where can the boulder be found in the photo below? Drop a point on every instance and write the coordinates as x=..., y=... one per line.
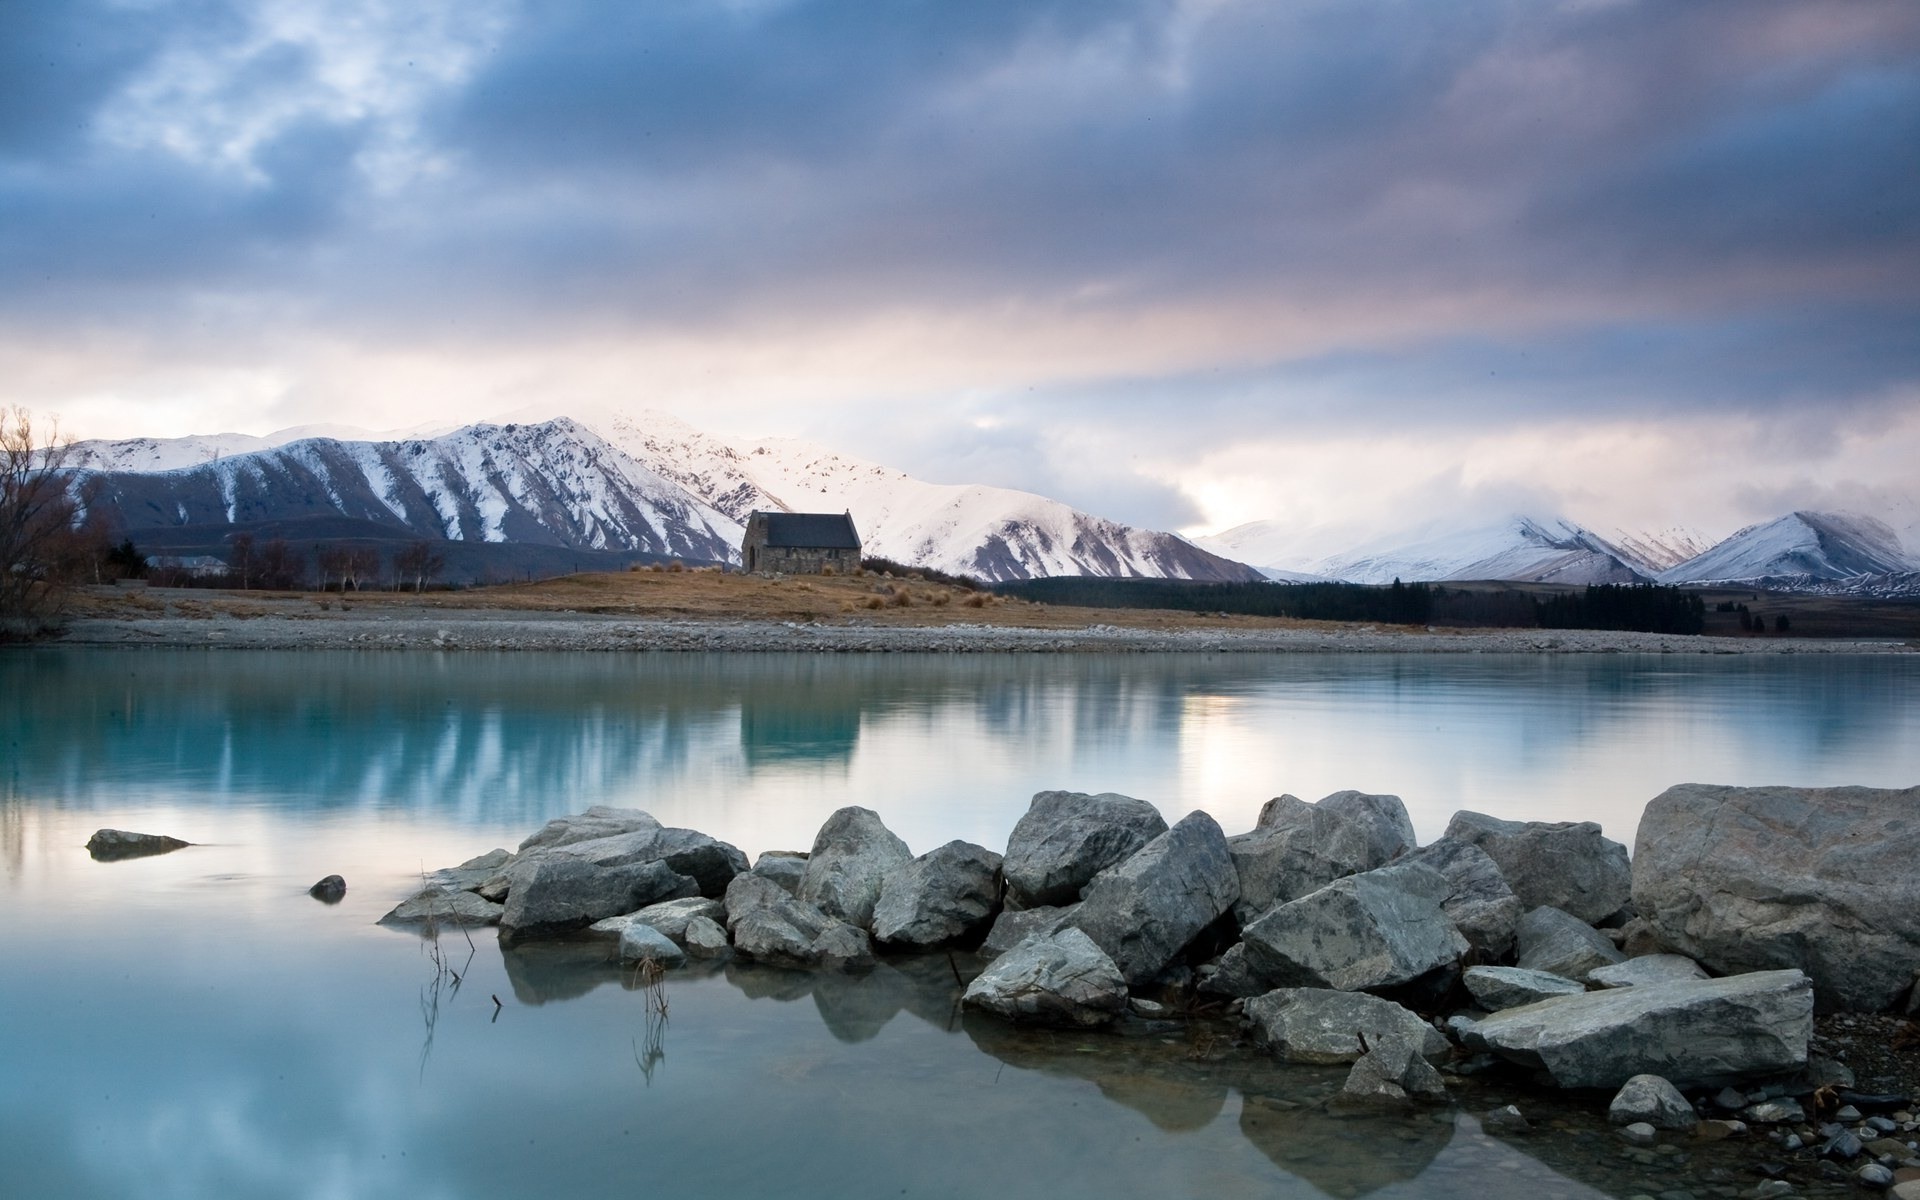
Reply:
x=597, y=822
x=1562, y=944
x=1478, y=901
x=1058, y=979
x=1822, y=879
x=444, y=907
x=1376, y=930
x=769, y=925
x=851, y=856
x=1694, y=1033
x=1566, y=865
x=642, y=943
x=561, y=894
x=945, y=895
x=1391, y=1074
x=1064, y=839
x=785, y=867
x=331, y=890
x=1498, y=988
x=1013, y=926
x=1653, y=1100
x=471, y=874
x=709, y=862
x=1230, y=975
x=1297, y=848
x=1313, y=1025
x=704, y=938
x=671, y=917
x=1649, y=968
x=111, y=845
x=1143, y=912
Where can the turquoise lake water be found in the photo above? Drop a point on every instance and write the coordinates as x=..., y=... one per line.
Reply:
x=194, y=1025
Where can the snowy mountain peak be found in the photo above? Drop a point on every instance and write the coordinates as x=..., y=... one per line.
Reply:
x=1811, y=544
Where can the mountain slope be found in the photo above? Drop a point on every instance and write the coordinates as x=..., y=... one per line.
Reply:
x=1811, y=544
x=994, y=533
x=1519, y=549
x=1661, y=550
x=554, y=483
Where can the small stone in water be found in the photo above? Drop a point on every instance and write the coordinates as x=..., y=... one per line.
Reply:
x=1841, y=1145
x=1728, y=1098
x=1881, y=1123
x=1792, y=1142
x=1769, y=1190
x=1505, y=1120
x=1874, y=1175
x=1847, y=1113
x=1639, y=1133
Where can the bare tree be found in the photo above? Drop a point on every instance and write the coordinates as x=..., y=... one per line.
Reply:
x=281, y=566
x=333, y=561
x=36, y=517
x=362, y=567
x=419, y=563
x=240, y=559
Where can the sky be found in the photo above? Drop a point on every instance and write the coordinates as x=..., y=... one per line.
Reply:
x=1347, y=265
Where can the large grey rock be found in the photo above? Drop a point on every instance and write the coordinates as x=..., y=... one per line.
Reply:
x=769, y=925
x=1562, y=944
x=1064, y=839
x=1655, y=1101
x=442, y=906
x=944, y=895
x=1822, y=879
x=1297, y=848
x=1478, y=902
x=644, y=943
x=1695, y=1033
x=1143, y=912
x=470, y=874
x=1391, y=1074
x=670, y=917
x=704, y=938
x=1649, y=968
x=1059, y=979
x=597, y=822
x=850, y=859
x=1375, y=930
x=1014, y=926
x=785, y=867
x=1498, y=988
x=1230, y=975
x=1313, y=1025
x=1566, y=865
x=709, y=862
x=561, y=894
x=111, y=845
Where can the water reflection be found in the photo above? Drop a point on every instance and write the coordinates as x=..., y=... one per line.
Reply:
x=758, y=748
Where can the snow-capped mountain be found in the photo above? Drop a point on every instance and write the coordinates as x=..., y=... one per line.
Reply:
x=170, y=454
x=554, y=483
x=994, y=533
x=1657, y=551
x=1518, y=549
x=1813, y=545
x=641, y=482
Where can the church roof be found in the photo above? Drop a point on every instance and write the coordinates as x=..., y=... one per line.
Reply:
x=817, y=531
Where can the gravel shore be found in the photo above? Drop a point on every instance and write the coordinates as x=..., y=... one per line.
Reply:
x=398, y=628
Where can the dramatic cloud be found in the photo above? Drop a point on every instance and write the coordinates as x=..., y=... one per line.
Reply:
x=1121, y=253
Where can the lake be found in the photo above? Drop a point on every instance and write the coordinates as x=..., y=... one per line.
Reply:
x=195, y=1025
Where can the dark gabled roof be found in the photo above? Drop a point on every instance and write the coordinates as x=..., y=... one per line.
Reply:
x=816, y=531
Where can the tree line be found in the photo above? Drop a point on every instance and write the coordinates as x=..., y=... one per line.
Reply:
x=1642, y=608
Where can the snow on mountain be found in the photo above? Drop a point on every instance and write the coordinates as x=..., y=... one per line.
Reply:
x=994, y=533
x=553, y=483
x=1660, y=550
x=1810, y=544
x=1273, y=547
x=170, y=454
x=1519, y=549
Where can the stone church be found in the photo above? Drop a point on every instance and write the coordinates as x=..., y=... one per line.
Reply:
x=800, y=543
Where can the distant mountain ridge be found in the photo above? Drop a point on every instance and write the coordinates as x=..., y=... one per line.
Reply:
x=1810, y=545
x=654, y=486
x=1518, y=549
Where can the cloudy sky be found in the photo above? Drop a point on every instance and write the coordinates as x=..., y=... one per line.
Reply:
x=1187, y=263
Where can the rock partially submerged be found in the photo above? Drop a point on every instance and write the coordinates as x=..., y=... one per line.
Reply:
x=1057, y=979
x=769, y=925
x=1064, y=839
x=1391, y=1074
x=560, y=894
x=1314, y=1025
x=331, y=890
x=946, y=895
x=1566, y=865
x=1692, y=1033
x=1014, y=926
x=1654, y=1101
x=644, y=943
x=112, y=845
x=1823, y=879
x=1377, y=930
x=852, y=854
x=1143, y=912
x=437, y=905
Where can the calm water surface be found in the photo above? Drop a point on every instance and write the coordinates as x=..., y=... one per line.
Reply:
x=194, y=1025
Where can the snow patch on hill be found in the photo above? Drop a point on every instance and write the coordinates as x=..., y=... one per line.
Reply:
x=1813, y=545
